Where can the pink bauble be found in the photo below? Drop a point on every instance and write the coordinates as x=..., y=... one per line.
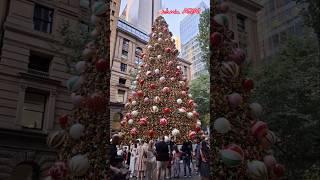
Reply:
x=76, y=99
x=157, y=99
x=192, y=135
x=190, y=102
x=163, y=122
x=166, y=90
x=184, y=78
x=134, y=94
x=58, y=170
x=134, y=131
x=170, y=63
x=162, y=79
x=173, y=79
x=143, y=122
x=235, y=100
x=196, y=114
x=140, y=93
x=184, y=93
x=259, y=129
x=146, y=100
x=269, y=161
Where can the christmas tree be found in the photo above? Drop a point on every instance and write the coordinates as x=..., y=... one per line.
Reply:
x=160, y=104
x=240, y=140
x=82, y=142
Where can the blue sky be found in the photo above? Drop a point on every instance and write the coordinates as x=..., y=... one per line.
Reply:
x=174, y=19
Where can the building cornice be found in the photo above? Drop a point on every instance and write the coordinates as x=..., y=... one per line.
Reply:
x=249, y=4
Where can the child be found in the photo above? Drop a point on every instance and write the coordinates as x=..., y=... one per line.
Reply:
x=176, y=162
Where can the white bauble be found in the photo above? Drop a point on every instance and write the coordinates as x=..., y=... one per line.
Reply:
x=182, y=83
x=130, y=122
x=149, y=47
x=134, y=82
x=175, y=132
x=135, y=113
x=257, y=170
x=190, y=95
x=172, y=79
x=79, y=165
x=134, y=103
x=222, y=125
x=155, y=109
x=154, y=35
x=162, y=79
x=157, y=71
x=179, y=101
x=160, y=40
x=76, y=131
x=81, y=66
x=189, y=114
x=198, y=123
x=159, y=57
x=256, y=109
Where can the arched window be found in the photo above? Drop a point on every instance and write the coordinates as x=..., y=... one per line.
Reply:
x=27, y=170
x=117, y=117
x=138, y=58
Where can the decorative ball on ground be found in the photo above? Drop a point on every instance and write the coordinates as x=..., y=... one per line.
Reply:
x=232, y=155
x=148, y=73
x=81, y=66
x=216, y=39
x=58, y=171
x=229, y=70
x=155, y=109
x=175, y=132
x=130, y=122
x=257, y=170
x=56, y=139
x=140, y=93
x=192, y=135
x=221, y=19
x=135, y=113
x=279, y=170
x=99, y=8
x=166, y=110
x=189, y=115
x=101, y=65
x=79, y=165
x=179, y=101
x=134, y=131
x=269, y=161
x=166, y=90
x=134, y=103
x=235, y=99
x=156, y=99
x=76, y=131
x=163, y=121
x=248, y=84
x=238, y=56
x=76, y=99
x=143, y=122
x=63, y=121
x=162, y=79
x=157, y=71
x=259, y=129
x=256, y=110
x=222, y=125
x=74, y=83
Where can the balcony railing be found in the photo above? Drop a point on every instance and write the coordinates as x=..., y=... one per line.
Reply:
x=38, y=73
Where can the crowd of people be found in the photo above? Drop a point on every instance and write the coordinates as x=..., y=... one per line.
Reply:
x=159, y=159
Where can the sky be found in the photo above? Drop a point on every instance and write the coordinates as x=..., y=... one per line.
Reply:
x=174, y=19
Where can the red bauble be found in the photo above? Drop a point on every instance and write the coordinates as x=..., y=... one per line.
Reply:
x=167, y=50
x=163, y=121
x=279, y=170
x=235, y=148
x=198, y=128
x=143, y=122
x=190, y=102
x=140, y=93
x=101, y=65
x=178, y=73
x=134, y=131
x=96, y=103
x=63, y=121
x=141, y=82
x=237, y=55
x=58, y=170
x=151, y=133
x=259, y=129
x=248, y=84
x=216, y=39
x=129, y=98
x=166, y=110
x=153, y=86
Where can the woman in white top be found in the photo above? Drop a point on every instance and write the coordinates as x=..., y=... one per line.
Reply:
x=133, y=158
x=151, y=162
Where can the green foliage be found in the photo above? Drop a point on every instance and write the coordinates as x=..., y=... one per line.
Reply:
x=288, y=88
x=200, y=90
x=204, y=36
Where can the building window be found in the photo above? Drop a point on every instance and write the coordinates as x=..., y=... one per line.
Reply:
x=138, y=59
x=123, y=67
x=39, y=64
x=42, y=19
x=125, y=47
x=33, y=109
x=121, y=96
x=241, y=23
x=122, y=81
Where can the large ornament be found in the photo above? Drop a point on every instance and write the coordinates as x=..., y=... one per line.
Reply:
x=248, y=84
x=166, y=110
x=238, y=56
x=81, y=67
x=279, y=170
x=74, y=83
x=269, y=161
x=101, y=65
x=232, y=155
x=159, y=57
x=166, y=90
x=146, y=100
x=134, y=131
x=229, y=70
x=179, y=101
x=163, y=121
x=76, y=99
x=143, y=122
x=222, y=125
x=184, y=93
x=157, y=71
x=148, y=73
x=63, y=121
x=167, y=50
x=79, y=165
x=221, y=19
x=135, y=113
x=99, y=8
x=235, y=99
x=268, y=140
x=156, y=99
x=133, y=103
x=57, y=139
x=189, y=115
x=259, y=129
x=257, y=170
x=216, y=39
x=175, y=132
x=256, y=110
x=76, y=131
x=155, y=109
x=192, y=135
x=130, y=122
x=153, y=86
x=58, y=171
x=162, y=79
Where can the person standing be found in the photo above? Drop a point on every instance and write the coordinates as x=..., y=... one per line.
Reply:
x=162, y=157
x=116, y=161
x=197, y=153
x=187, y=155
x=176, y=162
x=141, y=158
x=204, y=158
x=151, y=162
x=133, y=158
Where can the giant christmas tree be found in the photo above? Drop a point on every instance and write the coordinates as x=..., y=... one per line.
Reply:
x=82, y=142
x=240, y=140
x=160, y=104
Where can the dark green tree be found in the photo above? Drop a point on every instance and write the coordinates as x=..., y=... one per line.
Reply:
x=204, y=36
x=288, y=86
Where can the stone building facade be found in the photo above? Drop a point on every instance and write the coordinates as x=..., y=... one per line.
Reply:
x=130, y=43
